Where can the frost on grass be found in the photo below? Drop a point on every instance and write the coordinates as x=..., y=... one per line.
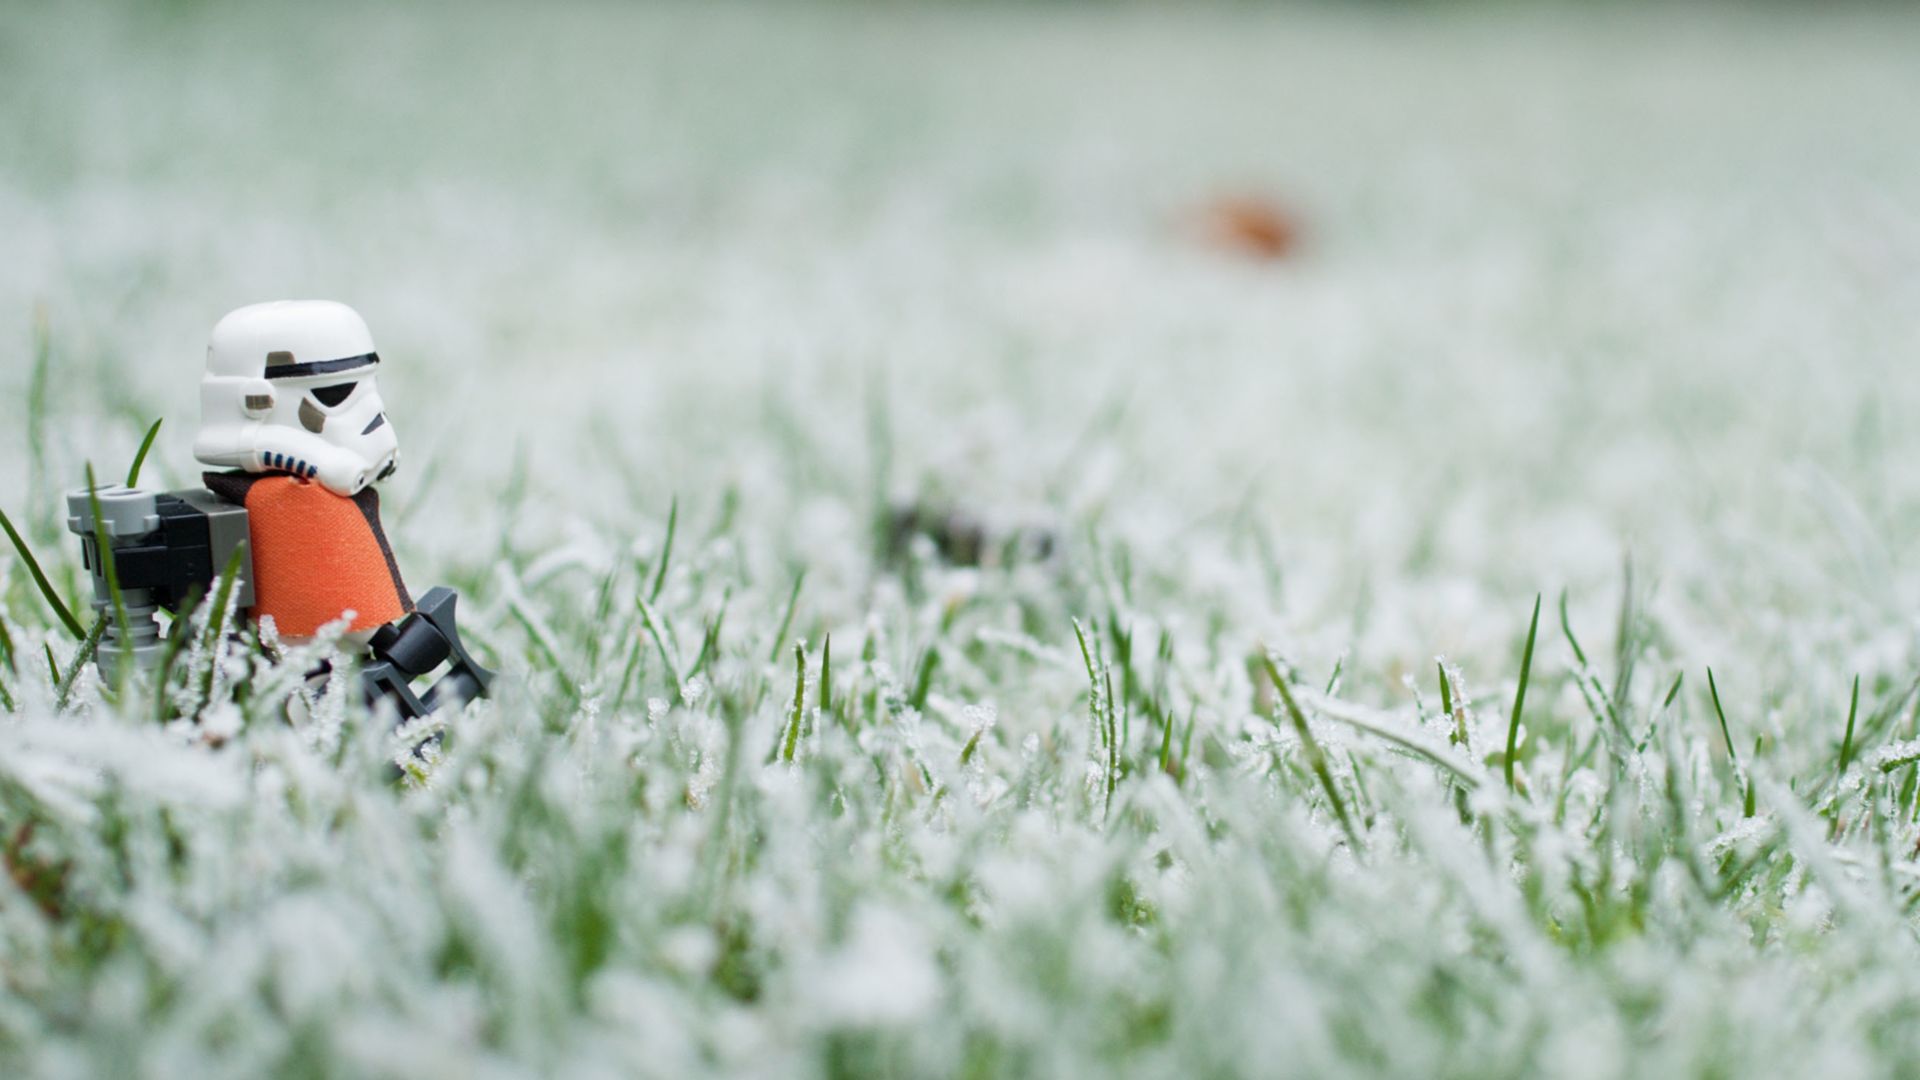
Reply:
x=1557, y=323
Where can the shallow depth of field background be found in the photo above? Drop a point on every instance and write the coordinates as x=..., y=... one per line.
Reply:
x=1575, y=292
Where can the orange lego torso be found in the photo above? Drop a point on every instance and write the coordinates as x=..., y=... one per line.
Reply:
x=316, y=555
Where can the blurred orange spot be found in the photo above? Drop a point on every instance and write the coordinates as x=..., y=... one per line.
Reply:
x=1250, y=225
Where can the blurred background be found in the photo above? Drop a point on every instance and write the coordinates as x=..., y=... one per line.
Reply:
x=1424, y=308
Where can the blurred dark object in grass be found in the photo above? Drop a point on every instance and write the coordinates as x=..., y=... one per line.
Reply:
x=1250, y=225
x=960, y=538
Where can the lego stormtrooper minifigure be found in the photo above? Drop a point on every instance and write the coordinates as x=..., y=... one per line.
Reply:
x=291, y=413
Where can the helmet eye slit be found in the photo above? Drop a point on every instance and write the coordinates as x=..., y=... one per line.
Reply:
x=332, y=396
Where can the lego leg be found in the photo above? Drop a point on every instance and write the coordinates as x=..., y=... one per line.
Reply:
x=416, y=645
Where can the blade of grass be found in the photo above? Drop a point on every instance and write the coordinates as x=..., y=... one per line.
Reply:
x=923, y=677
x=178, y=634
x=1626, y=633
x=634, y=652
x=714, y=853
x=602, y=611
x=139, y=459
x=40, y=579
x=1316, y=760
x=1846, y=742
x=1599, y=702
x=104, y=550
x=973, y=744
x=1713, y=691
x=710, y=641
x=1116, y=737
x=1412, y=740
x=1458, y=736
x=796, y=716
x=1666, y=706
x=53, y=666
x=1099, y=708
x=1748, y=797
x=666, y=551
x=1186, y=740
x=216, y=627
x=542, y=637
x=6, y=661
x=1163, y=723
x=1520, y=696
x=786, y=619
x=81, y=658
x=826, y=676
x=660, y=643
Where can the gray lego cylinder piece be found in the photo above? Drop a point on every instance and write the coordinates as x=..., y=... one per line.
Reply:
x=126, y=515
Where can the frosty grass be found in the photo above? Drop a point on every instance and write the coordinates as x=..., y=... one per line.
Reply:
x=1619, y=310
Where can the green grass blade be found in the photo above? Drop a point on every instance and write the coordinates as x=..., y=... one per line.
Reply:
x=796, y=716
x=40, y=579
x=826, y=676
x=714, y=849
x=710, y=641
x=139, y=459
x=1458, y=736
x=1748, y=797
x=1626, y=633
x=666, y=551
x=786, y=620
x=1566, y=629
x=1413, y=741
x=923, y=677
x=660, y=643
x=81, y=658
x=546, y=650
x=1116, y=740
x=1846, y=742
x=178, y=634
x=602, y=611
x=1599, y=702
x=1186, y=740
x=1520, y=695
x=1713, y=691
x=1100, y=710
x=216, y=627
x=1316, y=760
x=634, y=653
x=973, y=744
x=108, y=568
x=6, y=661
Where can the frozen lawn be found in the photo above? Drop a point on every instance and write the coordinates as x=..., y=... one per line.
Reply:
x=1617, y=308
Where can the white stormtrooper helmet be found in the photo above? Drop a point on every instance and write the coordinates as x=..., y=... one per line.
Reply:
x=289, y=388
